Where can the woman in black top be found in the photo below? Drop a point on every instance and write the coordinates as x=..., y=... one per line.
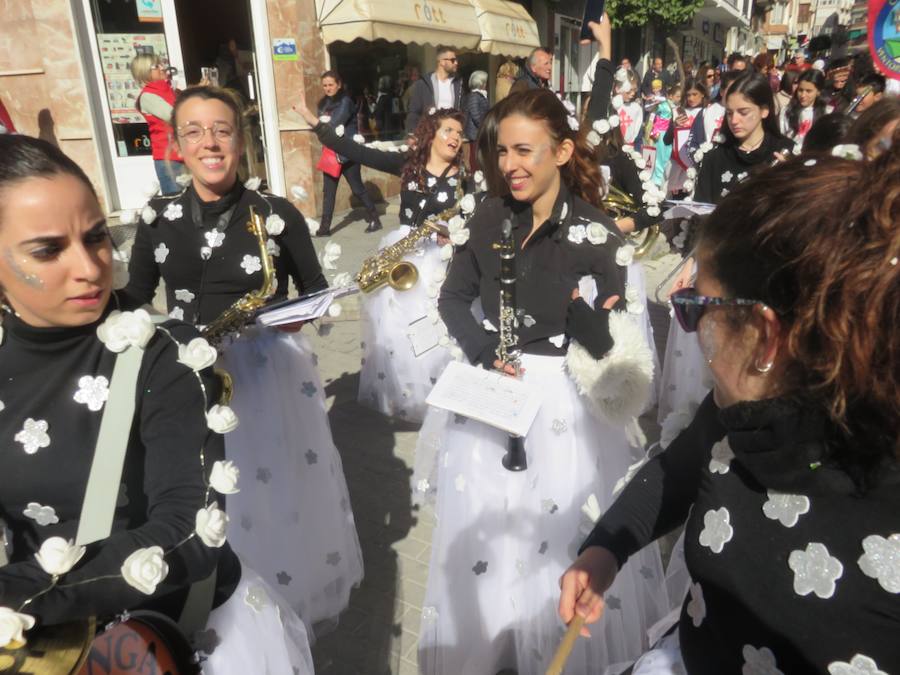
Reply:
x=788, y=477
x=502, y=540
x=293, y=521
x=394, y=379
x=337, y=110
x=66, y=340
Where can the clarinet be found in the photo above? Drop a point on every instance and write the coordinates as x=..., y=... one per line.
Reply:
x=508, y=351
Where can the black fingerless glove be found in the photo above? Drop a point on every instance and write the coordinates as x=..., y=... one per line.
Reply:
x=590, y=327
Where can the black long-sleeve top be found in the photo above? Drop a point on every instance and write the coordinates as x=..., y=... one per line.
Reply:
x=726, y=165
x=419, y=198
x=42, y=484
x=623, y=173
x=210, y=263
x=785, y=553
x=548, y=268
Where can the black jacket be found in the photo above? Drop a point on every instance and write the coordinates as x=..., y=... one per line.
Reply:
x=527, y=81
x=477, y=107
x=341, y=111
x=723, y=167
x=421, y=98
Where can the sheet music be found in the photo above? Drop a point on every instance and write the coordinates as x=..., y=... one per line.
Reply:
x=488, y=396
x=306, y=308
x=424, y=335
x=685, y=208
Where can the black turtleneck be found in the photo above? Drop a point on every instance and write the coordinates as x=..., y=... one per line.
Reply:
x=726, y=165
x=207, y=257
x=41, y=492
x=785, y=551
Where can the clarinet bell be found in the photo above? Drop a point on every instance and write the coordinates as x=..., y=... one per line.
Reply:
x=514, y=459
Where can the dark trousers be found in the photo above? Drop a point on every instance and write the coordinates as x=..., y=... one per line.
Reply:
x=350, y=171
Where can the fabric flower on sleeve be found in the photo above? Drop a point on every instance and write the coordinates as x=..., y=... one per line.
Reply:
x=253, y=183
x=184, y=295
x=173, y=211
x=717, y=530
x=197, y=354
x=596, y=234
x=251, y=263
x=577, y=234
x=339, y=130
x=13, y=626
x=467, y=203
x=145, y=569
x=859, y=665
x=785, y=508
x=42, y=515
x=221, y=419
x=92, y=392
x=33, y=435
x=122, y=330
x=759, y=661
x=815, y=571
x=224, y=477
x=148, y=215
x=211, y=525
x=881, y=561
x=57, y=556
x=624, y=255
x=160, y=253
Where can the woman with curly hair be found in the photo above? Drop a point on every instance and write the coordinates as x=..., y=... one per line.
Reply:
x=394, y=379
x=787, y=479
x=503, y=538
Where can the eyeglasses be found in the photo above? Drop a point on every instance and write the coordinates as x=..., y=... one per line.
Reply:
x=194, y=133
x=690, y=306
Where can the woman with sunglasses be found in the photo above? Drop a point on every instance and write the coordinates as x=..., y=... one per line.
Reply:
x=503, y=537
x=114, y=478
x=787, y=479
x=395, y=379
x=292, y=519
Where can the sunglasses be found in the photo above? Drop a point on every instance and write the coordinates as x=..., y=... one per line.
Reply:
x=689, y=306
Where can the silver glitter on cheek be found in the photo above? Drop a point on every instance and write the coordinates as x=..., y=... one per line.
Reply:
x=32, y=280
x=706, y=336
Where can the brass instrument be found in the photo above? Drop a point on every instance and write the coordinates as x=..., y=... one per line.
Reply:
x=387, y=267
x=620, y=204
x=508, y=351
x=233, y=319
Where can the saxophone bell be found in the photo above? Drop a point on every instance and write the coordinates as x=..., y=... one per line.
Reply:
x=402, y=276
x=620, y=204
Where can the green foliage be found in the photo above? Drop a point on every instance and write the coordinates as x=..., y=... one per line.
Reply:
x=643, y=12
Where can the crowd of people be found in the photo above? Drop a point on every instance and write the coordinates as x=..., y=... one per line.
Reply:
x=779, y=461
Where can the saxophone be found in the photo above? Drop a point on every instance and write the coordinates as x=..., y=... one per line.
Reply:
x=620, y=204
x=387, y=267
x=233, y=319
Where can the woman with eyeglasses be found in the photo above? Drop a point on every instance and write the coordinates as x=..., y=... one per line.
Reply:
x=395, y=378
x=114, y=479
x=291, y=520
x=155, y=103
x=788, y=478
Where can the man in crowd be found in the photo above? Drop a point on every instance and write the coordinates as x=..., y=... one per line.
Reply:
x=656, y=72
x=737, y=62
x=440, y=89
x=538, y=70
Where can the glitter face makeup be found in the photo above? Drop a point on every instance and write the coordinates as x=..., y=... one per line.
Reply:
x=32, y=280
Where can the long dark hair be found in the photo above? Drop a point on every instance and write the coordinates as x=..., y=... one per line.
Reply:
x=24, y=157
x=755, y=88
x=420, y=152
x=582, y=172
x=819, y=244
x=817, y=79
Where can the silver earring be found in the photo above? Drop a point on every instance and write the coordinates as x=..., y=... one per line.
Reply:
x=764, y=369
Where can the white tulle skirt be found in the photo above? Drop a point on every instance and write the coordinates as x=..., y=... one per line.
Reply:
x=392, y=379
x=686, y=379
x=663, y=659
x=255, y=631
x=292, y=520
x=637, y=285
x=503, y=540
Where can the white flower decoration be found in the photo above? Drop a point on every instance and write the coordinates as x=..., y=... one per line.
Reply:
x=696, y=608
x=645, y=175
x=596, y=234
x=698, y=156
x=257, y=598
x=324, y=119
x=691, y=172
x=601, y=127
x=330, y=254
x=653, y=211
x=478, y=176
x=446, y=252
x=727, y=177
x=177, y=313
x=335, y=310
x=577, y=234
x=253, y=183
x=625, y=255
x=145, y=569
x=741, y=176
x=224, y=477
x=634, y=303
x=197, y=354
x=758, y=661
x=412, y=186
x=614, y=121
x=629, y=474
x=593, y=138
x=211, y=524
x=214, y=238
x=785, y=508
x=312, y=225
x=717, y=530
x=432, y=110
x=573, y=122
x=815, y=571
x=431, y=181
x=298, y=193
x=441, y=197
x=455, y=224
x=274, y=225
x=92, y=392
x=42, y=515
x=359, y=138
x=13, y=626
x=675, y=422
x=57, y=556
x=122, y=330
x=847, y=151
x=342, y=279
x=33, y=435
x=160, y=253
x=339, y=130
x=251, y=263
x=408, y=213
x=221, y=419
x=859, y=665
x=688, y=185
x=460, y=237
x=173, y=211
x=722, y=454
x=148, y=215
x=467, y=203
x=617, y=101
x=706, y=147
x=205, y=252
x=128, y=217
x=881, y=561
x=184, y=295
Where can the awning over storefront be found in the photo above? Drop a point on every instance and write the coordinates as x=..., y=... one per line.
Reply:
x=506, y=28
x=435, y=22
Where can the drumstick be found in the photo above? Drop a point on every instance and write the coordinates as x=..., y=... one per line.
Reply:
x=565, y=647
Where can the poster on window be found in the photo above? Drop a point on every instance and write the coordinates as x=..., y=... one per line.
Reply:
x=884, y=36
x=149, y=11
x=117, y=51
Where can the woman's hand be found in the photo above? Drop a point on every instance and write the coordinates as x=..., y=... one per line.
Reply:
x=304, y=112
x=602, y=33
x=626, y=225
x=507, y=369
x=682, y=121
x=584, y=584
x=609, y=303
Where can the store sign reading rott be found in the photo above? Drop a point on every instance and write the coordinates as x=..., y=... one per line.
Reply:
x=433, y=15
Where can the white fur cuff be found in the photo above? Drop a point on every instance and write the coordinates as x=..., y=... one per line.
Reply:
x=618, y=385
